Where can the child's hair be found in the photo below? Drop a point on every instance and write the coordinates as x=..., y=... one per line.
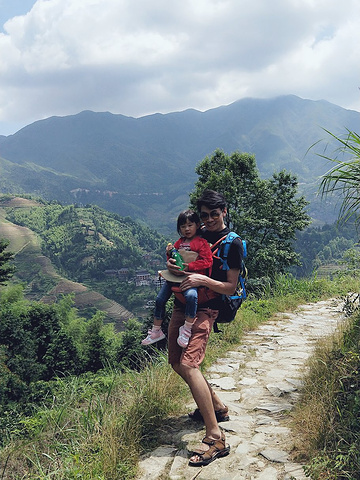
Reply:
x=187, y=215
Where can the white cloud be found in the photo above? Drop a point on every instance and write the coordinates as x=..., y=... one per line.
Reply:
x=138, y=57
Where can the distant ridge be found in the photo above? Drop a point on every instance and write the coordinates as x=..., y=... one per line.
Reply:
x=144, y=167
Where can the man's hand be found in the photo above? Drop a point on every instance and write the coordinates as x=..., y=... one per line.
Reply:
x=193, y=280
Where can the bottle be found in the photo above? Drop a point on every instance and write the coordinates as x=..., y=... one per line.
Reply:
x=177, y=257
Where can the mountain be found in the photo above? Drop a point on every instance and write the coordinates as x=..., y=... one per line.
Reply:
x=144, y=167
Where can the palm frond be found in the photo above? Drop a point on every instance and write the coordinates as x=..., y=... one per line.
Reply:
x=344, y=177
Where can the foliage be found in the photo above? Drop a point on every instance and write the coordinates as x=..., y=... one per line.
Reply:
x=39, y=342
x=266, y=213
x=344, y=177
x=6, y=269
x=326, y=245
x=328, y=415
x=96, y=424
x=86, y=241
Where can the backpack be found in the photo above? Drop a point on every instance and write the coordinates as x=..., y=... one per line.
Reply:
x=230, y=303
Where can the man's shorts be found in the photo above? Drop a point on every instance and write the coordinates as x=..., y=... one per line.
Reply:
x=194, y=353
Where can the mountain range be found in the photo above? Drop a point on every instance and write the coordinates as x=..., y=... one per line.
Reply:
x=145, y=167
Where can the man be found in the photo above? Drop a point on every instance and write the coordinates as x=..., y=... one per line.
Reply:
x=186, y=362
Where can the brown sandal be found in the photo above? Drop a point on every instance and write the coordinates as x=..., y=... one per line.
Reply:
x=221, y=415
x=217, y=449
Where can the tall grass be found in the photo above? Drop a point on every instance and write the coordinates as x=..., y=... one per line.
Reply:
x=327, y=418
x=96, y=426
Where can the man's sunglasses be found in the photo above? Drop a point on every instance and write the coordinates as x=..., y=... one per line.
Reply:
x=213, y=214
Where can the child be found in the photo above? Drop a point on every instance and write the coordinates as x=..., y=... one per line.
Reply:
x=188, y=227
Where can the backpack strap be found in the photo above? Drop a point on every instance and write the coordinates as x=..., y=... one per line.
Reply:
x=225, y=243
x=222, y=255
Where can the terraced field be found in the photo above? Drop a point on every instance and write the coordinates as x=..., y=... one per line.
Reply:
x=38, y=273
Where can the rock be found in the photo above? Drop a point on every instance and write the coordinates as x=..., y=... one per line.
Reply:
x=225, y=383
x=156, y=462
x=247, y=381
x=269, y=473
x=274, y=455
x=275, y=407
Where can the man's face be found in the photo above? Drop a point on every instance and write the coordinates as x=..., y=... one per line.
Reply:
x=213, y=218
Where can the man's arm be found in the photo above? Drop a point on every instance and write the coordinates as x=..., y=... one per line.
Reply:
x=198, y=280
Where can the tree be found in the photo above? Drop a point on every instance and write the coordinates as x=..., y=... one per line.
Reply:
x=265, y=213
x=95, y=344
x=344, y=177
x=6, y=270
x=130, y=353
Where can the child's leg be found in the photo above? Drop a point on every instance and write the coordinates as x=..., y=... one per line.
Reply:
x=161, y=299
x=191, y=297
x=156, y=334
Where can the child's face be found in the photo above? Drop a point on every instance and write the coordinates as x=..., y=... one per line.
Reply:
x=189, y=229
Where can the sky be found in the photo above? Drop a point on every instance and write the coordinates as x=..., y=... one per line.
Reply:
x=139, y=57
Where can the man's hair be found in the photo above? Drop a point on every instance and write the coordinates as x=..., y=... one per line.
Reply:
x=211, y=200
x=187, y=215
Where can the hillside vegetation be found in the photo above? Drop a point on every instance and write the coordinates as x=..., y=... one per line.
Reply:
x=78, y=398
x=83, y=243
x=81, y=400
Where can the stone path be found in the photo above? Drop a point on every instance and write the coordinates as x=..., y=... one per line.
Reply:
x=260, y=382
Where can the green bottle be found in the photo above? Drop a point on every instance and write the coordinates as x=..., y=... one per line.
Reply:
x=178, y=258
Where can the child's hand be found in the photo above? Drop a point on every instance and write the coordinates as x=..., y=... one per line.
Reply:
x=169, y=247
x=172, y=267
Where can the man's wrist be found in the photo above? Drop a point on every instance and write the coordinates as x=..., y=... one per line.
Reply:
x=206, y=281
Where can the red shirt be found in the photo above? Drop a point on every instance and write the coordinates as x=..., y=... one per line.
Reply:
x=201, y=246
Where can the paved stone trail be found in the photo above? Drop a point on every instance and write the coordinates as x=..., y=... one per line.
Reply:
x=260, y=382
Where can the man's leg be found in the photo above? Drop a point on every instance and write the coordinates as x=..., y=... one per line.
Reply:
x=186, y=363
x=202, y=394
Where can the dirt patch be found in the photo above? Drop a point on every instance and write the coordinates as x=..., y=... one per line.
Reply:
x=19, y=202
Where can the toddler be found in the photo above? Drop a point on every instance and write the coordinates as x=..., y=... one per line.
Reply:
x=188, y=227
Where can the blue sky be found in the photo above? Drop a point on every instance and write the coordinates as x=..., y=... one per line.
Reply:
x=11, y=8
x=135, y=57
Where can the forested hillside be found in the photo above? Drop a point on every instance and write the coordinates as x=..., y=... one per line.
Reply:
x=97, y=248
x=324, y=250
x=79, y=399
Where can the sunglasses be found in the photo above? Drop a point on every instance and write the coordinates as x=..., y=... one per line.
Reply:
x=213, y=214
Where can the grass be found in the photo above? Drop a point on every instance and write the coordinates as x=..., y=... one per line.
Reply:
x=327, y=417
x=97, y=426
